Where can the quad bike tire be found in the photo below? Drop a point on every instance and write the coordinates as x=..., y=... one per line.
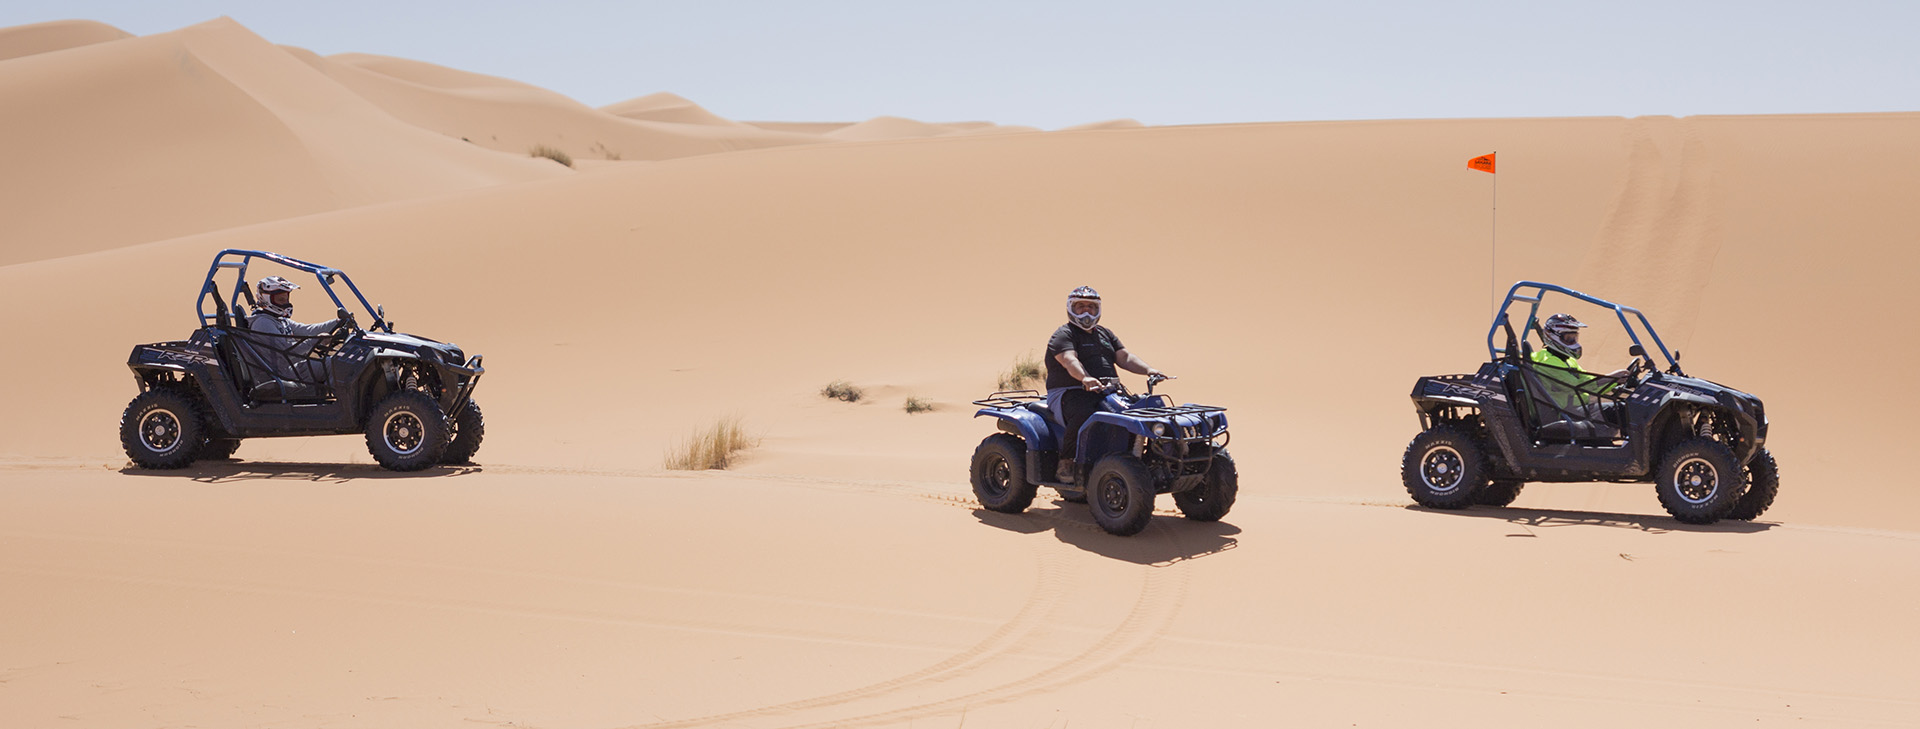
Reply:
x=163, y=428
x=407, y=431
x=1498, y=492
x=1120, y=495
x=218, y=449
x=1699, y=481
x=1763, y=484
x=1443, y=468
x=1213, y=498
x=999, y=474
x=469, y=428
x=1072, y=497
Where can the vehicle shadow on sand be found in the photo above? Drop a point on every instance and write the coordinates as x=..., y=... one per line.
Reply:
x=1167, y=540
x=232, y=471
x=1549, y=518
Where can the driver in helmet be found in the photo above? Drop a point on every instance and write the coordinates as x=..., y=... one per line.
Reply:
x=1558, y=366
x=1079, y=354
x=273, y=315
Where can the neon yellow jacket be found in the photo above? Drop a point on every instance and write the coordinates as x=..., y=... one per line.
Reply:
x=1563, y=378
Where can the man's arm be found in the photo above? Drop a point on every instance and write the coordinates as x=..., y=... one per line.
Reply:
x=1131, y=363
x=312, y=330
x=1071, y=360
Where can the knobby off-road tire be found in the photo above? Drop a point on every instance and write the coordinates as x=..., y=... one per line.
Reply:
x=1699, y=481
x=1213, y=498
x=1443, y=467
x=1763, y=483
x=1120, y=494
x=407, y=431
x=218, y=449
x=1500, y=492
x=163, y=428
x=469, y=427
x=999, y=474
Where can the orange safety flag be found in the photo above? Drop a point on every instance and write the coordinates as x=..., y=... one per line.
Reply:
x=1483, y=163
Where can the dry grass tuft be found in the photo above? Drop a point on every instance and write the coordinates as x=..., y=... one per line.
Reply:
x=557, y=155
x=1025, y=369
x=712, y=447
x=842, y=390
x=917, y=405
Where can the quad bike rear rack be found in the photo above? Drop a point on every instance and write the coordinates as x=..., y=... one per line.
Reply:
x=1005, y=399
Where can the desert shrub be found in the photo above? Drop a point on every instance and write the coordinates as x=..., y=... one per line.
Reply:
x=557, y=155
x=1025, y=369
x=917, y=405
x=712, y=447
x=604, y=151
x=842, y=390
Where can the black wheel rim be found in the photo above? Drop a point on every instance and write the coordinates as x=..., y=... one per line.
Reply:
x=404, y=432
x=1442, y=469
x=1696, y=480
x=1113, y=494
x=999, y=476
x=160, y=431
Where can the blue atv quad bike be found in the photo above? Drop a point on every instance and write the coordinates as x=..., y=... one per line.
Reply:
x=1136, y=448
x=411, y=396
x=1701, y=444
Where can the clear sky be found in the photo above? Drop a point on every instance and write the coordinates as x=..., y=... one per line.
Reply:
x=1053, y=64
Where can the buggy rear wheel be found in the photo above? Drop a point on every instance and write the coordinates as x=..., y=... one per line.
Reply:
x=1213, y=498
x=162, y=428
x=1699, y=481
x=1763, y=484
x=1120, y=494
x=1442, y=468
x=999, y=474
x=407, y=431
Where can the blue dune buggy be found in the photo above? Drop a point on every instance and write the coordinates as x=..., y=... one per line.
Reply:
x=1702, y=444
x=1138, y=447
x=411, y=396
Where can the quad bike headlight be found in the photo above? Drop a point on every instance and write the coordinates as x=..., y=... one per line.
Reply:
x=1160, y=429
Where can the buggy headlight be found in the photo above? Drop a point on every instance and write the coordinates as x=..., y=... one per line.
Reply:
x=1160, y=429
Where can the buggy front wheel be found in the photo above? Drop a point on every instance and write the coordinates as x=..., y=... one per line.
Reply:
x=407, y=431
x=1763, y=484
x=1699, y=481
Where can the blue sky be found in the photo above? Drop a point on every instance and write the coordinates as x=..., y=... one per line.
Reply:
x=1053, y=64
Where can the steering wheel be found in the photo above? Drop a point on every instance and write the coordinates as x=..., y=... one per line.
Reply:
x=1636, y=371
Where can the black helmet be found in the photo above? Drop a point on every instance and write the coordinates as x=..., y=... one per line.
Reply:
x=1562, y=335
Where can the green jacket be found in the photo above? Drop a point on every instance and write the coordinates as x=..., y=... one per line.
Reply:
x=1563, y=379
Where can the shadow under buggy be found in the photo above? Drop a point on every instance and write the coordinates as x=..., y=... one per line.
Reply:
x=411, y=396
x=1702, y=444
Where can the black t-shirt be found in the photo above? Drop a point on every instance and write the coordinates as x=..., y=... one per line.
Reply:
x=1097, y=349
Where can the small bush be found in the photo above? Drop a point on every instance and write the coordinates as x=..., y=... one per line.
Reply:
x=711, y=448
x=541, y=150
x=1025, y=369
x=604, y=151
x=842, y=390
x=916, y=405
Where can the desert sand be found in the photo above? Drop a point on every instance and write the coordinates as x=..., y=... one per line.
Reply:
x=1300, y=274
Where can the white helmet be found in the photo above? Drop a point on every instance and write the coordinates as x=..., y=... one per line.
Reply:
x=1562, y=335
x=1083, y=320
x=263, y=295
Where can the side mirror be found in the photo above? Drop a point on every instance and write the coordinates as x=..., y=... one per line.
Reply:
x=1636, y=351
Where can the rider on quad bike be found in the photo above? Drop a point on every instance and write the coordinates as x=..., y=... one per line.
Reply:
x=1081, y=356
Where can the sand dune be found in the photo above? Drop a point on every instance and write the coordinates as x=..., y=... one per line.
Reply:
x=59, y=35
x=512, y=117
x=198, y=129
x=1300, y=274
x=666, y=107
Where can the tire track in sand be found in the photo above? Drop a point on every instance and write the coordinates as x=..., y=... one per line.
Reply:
x=1162, y=592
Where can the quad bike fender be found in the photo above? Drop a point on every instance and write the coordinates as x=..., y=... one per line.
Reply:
x=1025, y=423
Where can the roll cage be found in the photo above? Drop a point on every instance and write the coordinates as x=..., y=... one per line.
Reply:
x=238, y=260
x=1533, y=293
